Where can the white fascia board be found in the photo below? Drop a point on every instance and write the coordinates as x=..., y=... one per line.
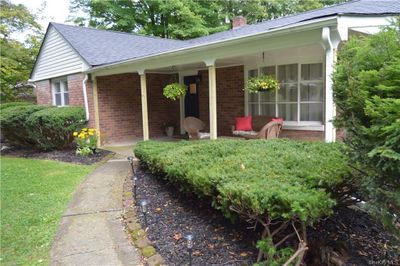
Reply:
x=346, y=22
x=287, y=30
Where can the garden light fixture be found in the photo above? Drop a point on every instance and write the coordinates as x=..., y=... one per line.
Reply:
x=130, y=159
x=134, y=187
x=189, y=245
x=143, y=208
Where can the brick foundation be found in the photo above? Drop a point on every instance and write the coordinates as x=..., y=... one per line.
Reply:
x=43, y=92
x=303, y=135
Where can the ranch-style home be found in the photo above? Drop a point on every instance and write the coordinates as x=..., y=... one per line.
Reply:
x=119, y=77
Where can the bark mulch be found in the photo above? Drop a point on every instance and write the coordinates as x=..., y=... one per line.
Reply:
x=67, y=155
x=352, y=235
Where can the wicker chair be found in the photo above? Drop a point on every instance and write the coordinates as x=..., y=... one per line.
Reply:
x=270, y=131
x=193, y=126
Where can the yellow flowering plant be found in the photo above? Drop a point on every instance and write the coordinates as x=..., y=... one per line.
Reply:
x=261, y=83
x=86, y=141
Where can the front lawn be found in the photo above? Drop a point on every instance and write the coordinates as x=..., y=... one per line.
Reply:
x=34, y=194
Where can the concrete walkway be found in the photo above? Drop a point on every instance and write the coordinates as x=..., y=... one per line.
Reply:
x=91, y=231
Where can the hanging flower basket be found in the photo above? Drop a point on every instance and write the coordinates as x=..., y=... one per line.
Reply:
x=174, y=91
x=261, y=83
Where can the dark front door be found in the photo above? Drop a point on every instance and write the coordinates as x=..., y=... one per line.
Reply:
x=192, y=96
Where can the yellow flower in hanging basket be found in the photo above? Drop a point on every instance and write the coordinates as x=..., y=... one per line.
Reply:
x=261, y=83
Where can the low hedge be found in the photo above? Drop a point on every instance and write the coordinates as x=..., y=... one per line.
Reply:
x=283, y=178
x=53, y=128
x=262, y=181
x=13, y=124
x=42, y=127
x=13, y=104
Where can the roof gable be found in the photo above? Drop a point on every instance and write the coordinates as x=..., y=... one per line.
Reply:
x=56, y=57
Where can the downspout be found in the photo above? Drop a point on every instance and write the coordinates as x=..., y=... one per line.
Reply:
x=85, y=97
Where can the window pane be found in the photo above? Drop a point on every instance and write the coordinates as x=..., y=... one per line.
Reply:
x=253, y=109
x=311, y=112
x=58, y=99
x=270, y=71
x=288, y=111
x=253, y=97
x=311, y=92
x=287, y=73
x=253, y=73
x=311, y=72
x=66, y=98
x=268, y=109
x=57, y=87
x=65, y=85
x=267, y=96
x=287, y=93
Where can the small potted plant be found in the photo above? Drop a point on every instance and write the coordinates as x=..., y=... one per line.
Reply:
x=261, y=83
x=174, y=91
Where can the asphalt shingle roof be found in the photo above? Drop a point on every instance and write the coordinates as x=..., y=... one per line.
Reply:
x=101, y=47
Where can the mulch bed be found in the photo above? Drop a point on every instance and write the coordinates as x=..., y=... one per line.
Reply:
x=172, y=214
x=67, y=155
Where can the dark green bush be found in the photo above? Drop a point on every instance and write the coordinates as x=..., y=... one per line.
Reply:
x=367, y=94
x=13, y=124
x=13, y=104
x=283, y=178
x=52, y=128
x=279, y=181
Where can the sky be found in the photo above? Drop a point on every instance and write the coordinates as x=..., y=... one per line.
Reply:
x=55, y=10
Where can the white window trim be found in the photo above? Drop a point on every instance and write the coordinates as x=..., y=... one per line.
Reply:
x=62, y=90
x=291, y=125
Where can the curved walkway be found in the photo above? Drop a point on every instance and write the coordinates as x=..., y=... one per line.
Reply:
x=91, y=232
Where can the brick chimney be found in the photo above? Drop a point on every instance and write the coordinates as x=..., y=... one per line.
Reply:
x=239, y=22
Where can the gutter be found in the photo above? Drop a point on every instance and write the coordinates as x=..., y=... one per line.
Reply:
x=326, y=21
x=85, y=97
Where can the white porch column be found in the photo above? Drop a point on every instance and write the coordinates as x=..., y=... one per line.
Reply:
x=96, y=109
x=145, y=119
x=212, y=86
x=330, y=59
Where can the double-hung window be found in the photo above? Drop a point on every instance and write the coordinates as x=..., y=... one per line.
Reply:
x=299, y=100
x=60, y=92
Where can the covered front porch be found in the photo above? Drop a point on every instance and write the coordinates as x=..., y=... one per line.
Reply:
x=129, y=104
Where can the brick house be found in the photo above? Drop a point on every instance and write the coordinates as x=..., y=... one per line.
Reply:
x=119, y=77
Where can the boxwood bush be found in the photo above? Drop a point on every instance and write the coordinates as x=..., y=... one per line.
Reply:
x=13, y=104
x=263, y=181
x=42, y=127
x=52, y=128
x=13, y=124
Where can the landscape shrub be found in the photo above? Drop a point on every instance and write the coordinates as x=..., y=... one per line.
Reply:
x=53, y=127
x=267, y=182
x=13, y=124
x=13, y=104
x=367, y=95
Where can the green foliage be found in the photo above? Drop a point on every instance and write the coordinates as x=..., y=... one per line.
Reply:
x=174, y=91
x=34, y=195
x=86, y=141
x=183, y=19
x=17, y=58
x=52, y=128
x=13, y=124
x=367, y=94
x=277, y=179
x=261, y=83
x=279, y=256
x=12, y=104
x=43, y=127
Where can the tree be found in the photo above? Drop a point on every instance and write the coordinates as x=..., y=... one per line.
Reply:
x=17, y=57
x=367, y=94
x=183, y=19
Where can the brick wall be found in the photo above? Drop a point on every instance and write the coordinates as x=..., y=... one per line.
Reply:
x=303, y=135
x=230, y=97
x=43, y=92
x=120, y=109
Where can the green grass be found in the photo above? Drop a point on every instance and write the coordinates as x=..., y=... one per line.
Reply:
x=34, y=194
